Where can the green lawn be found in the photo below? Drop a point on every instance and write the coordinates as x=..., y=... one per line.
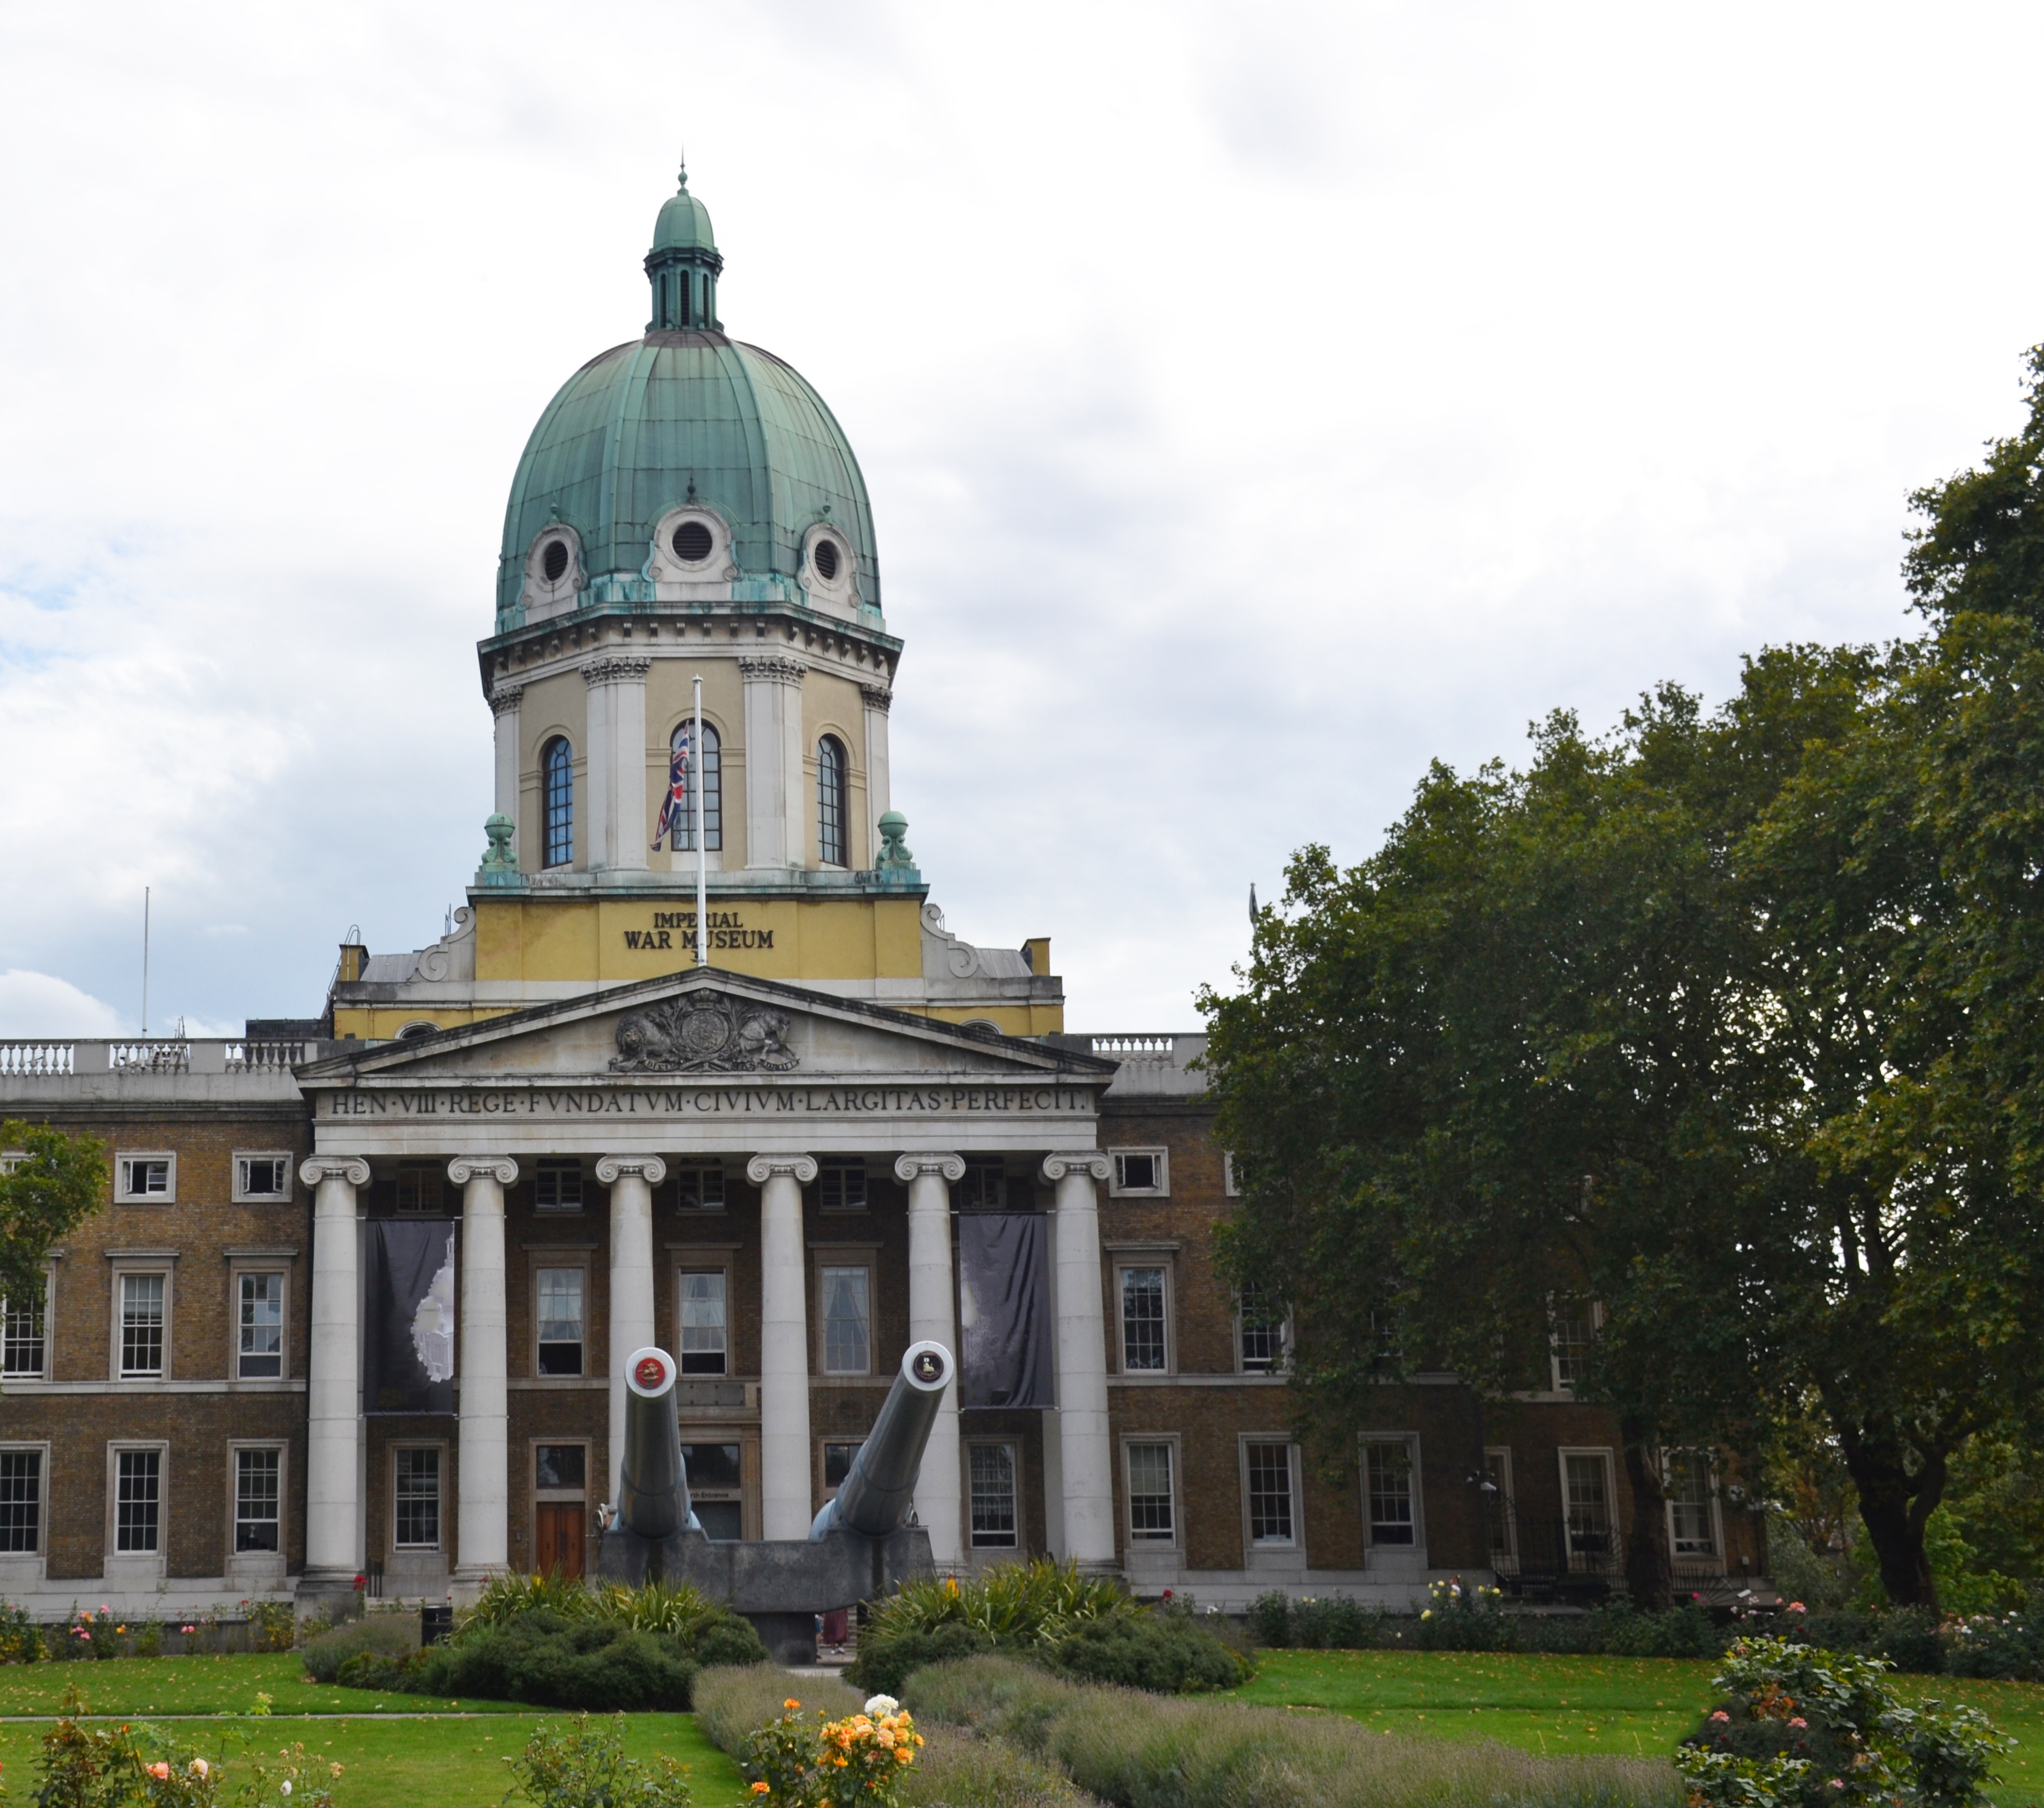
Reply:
x=452, y=1759
x=1620, y=1707
x=197, y=1685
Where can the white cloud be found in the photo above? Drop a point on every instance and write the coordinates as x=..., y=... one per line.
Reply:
x=37, y=1004
x=1256, y=406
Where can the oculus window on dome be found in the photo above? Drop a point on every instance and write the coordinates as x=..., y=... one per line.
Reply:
x=557, y=766
x=831, y=813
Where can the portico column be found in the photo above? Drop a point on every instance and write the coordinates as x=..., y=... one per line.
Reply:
x=784, y=1344
x=619, y=831
x=932, y=1314
x=1085, y=1449
x=482, y=1516
x=632, y=1180
x=333, y=1387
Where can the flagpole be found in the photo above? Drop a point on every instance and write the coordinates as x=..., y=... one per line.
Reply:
x=702, y=855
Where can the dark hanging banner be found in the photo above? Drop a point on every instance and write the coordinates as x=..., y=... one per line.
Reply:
x=407, y=1350
x=1005, y=1322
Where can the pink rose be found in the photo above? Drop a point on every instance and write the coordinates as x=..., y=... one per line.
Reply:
x=1722, y=1718
x=161, y=1772
x=1797, y=1607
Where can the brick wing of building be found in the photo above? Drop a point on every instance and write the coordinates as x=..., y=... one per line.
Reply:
x=358, y=1300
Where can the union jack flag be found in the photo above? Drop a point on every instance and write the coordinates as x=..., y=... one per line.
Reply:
x=674, y=811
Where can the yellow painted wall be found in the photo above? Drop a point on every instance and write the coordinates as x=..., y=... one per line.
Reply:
x=588, y=940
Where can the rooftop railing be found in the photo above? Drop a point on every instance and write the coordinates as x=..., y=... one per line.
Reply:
x=1137, y=1047
x=42, y=1058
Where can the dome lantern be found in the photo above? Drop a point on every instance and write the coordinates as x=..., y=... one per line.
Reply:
x=683, y=265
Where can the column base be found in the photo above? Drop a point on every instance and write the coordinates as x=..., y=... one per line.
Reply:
x=331, y=1591
x=467, y=1582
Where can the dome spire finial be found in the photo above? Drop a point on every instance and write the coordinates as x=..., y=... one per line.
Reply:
x=683, y=182
x=683, y=265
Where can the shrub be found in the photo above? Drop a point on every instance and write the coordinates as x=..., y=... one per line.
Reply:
x=393, y=1637
x=19, y=1641
x=1167, y=1653
x=1023, y=1607
x=1270, y=1619
x=1622, y=1631
x=1142, y=1751
x=585, y=1766
x=1333, y=1622
x=886, y=1660
x=2007, y=1647
x=541, y=1658
x=552, y=1644
x=1909, y=1640
x=1800, y=1727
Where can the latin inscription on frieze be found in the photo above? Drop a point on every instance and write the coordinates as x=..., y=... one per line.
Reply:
x=506, y=1101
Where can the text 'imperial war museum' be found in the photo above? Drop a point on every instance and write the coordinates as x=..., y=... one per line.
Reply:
x=360, y=1300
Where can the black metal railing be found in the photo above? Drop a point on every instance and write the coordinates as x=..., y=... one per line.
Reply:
x=1577, y=1560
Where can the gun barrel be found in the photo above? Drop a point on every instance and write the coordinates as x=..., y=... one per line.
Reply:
x=874, y=1497
x=653, y=1480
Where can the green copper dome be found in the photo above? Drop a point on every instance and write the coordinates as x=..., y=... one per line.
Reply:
x=686, y=415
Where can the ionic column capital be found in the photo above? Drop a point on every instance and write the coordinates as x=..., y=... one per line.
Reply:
x=351, y=1168
x=761, y=1168
x=772, y=668
x=951, y=1167
x=501, y=1168
x=1087, y=1161
x=650, y=1168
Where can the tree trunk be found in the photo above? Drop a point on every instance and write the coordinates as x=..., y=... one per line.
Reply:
x=1650, y=1568
x=1894, y=1504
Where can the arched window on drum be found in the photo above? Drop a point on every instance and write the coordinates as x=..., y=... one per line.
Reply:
x=708, y=771
x=557, y=773
x=830, y=801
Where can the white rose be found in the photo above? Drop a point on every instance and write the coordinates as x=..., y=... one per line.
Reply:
x=877, y=1705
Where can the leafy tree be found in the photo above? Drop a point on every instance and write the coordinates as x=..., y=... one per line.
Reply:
x=1733, y=1025
x=52, y=1182
x=1498, y=1069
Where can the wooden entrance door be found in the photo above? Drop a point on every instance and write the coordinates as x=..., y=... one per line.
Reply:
x=558, y=1539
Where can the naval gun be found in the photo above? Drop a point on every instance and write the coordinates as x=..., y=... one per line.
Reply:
x=861, y=1545
x=873, y=1500
x=653, y=1502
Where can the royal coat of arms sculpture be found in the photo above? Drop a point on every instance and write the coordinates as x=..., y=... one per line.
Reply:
x=704, y=1033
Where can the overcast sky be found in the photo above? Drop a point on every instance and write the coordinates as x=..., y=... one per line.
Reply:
x=1258, y=401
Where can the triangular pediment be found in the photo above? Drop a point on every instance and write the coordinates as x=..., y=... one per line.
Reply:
x=708, y=1025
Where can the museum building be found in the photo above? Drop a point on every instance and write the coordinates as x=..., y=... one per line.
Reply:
x=357, y=1304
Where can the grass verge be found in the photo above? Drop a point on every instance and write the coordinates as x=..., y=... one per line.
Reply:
x=1584, y=1706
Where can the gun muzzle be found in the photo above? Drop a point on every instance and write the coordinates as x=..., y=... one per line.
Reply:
x=653, y=1481
x=874, y=1497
